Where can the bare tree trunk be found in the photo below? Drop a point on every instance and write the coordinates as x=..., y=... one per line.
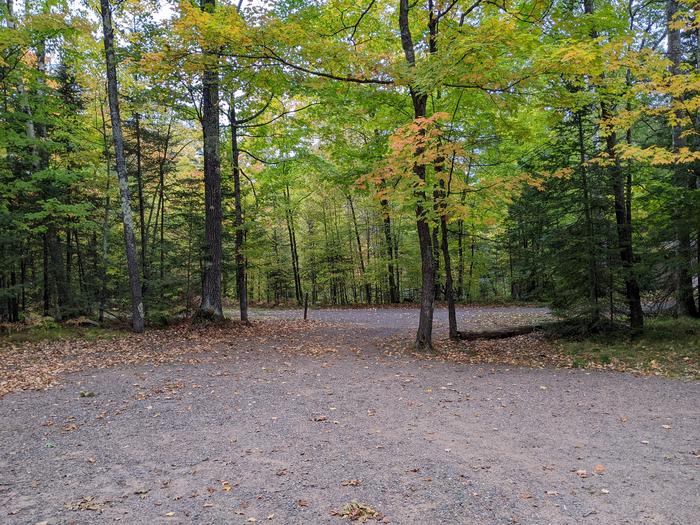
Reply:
x=211, y=284
x=137, y=315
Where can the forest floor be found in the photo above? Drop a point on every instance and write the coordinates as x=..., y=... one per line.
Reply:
x=289, y=422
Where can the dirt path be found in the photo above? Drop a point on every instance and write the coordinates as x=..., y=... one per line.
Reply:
x=252, y=433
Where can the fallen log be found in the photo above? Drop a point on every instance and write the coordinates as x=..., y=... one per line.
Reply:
x=500, y=333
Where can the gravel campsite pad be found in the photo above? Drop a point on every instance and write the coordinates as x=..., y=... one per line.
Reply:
x=330, y=421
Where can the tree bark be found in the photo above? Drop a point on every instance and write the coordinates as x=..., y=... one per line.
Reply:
x=137, y=314
x=211, y=308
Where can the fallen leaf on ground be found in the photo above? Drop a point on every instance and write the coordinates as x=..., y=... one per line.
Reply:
x=87, y=503
x=356, y=511
x=351, y=483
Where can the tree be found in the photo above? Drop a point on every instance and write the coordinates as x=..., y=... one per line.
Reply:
x=210, y=307
x=137, y=311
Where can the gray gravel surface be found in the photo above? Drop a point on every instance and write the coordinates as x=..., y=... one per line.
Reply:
x=258, y=436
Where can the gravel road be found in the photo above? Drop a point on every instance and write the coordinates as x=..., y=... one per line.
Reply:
x=256, y=435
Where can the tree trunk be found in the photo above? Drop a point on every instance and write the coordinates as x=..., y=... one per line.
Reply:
x=142, y=211
x=57, y=271
x=238, y=218
x=441, y=195
x=393, y=290
x=210, y=307
x=137, y=316
x=81, y=265
x=624, y=232
x=622, y=212
x=69, y=258
x=368, y=288
x=460, y=253
x=105, y=221
x=424, y=336
x=293, y=245
x=449, y=293
x=46, y=282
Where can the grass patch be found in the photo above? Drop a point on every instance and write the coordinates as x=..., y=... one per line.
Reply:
x=668, y=346
x=52, y=331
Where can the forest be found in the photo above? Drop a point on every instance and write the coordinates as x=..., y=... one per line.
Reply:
x=330, y=261
x=161, y=160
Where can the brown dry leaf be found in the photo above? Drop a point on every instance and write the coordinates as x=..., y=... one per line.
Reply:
x=582, y=473
x=302, y=503
x=39, y=366
x=226, y=486
x=87, y=503
x=351, y=483
x=599, y=469
x=356, y=511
